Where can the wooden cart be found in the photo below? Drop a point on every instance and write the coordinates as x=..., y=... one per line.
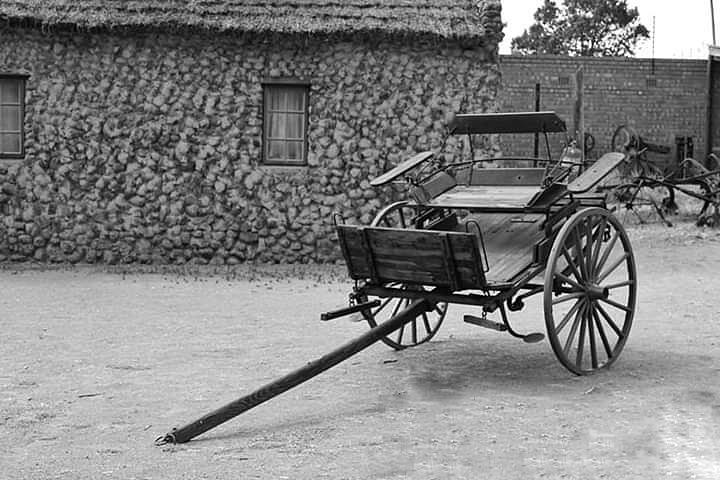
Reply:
x=493, y=237
x=488, y=238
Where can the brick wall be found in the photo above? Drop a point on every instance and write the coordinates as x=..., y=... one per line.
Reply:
x=661, y=101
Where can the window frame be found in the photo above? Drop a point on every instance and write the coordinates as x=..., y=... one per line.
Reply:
x=267, y=85
x=22, y=81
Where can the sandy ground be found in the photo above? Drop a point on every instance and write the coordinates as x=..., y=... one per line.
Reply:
x=95, y=364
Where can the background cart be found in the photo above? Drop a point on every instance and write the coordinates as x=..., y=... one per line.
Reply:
x=644, y=175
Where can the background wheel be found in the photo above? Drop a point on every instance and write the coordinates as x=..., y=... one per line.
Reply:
x=424, y=327
x=420, y=330
x=590, y=291
x=644, y=202
x=626, y=140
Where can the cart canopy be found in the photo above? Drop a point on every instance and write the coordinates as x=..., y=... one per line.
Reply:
x=515, y=122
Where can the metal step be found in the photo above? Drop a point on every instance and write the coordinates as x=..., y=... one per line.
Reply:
x=484, y=322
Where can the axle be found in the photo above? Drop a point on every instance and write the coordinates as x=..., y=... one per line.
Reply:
x=312, y=369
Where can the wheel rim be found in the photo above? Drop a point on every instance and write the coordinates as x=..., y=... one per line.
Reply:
x=396, y=215
x=422, y=328
x=590, y=291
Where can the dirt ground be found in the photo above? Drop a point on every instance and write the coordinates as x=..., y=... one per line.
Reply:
x=95, y=364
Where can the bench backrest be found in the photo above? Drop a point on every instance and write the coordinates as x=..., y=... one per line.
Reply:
x=501, y=177
x=419, y=257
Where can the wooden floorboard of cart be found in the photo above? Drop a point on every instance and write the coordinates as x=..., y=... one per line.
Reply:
x=509, y=242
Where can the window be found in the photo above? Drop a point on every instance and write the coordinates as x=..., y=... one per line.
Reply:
x=285, y=122
x=12, y=106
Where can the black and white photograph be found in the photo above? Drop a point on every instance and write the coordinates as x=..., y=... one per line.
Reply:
x=359, y=239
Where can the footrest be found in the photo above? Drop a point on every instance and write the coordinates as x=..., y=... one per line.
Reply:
x=349, y=310
x=484, y=322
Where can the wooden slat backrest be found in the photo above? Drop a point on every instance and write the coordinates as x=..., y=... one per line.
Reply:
x=423, y=257
x=505, y=177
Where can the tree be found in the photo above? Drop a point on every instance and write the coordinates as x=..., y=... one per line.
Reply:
x=589, y=28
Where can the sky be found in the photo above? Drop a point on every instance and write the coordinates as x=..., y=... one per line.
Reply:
x=682, y=28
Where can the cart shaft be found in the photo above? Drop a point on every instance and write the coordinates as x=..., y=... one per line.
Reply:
x=310, y=370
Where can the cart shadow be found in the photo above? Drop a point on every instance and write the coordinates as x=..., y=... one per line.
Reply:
x=458, y=366
x=453, y=369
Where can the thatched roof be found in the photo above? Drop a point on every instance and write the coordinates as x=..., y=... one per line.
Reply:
x=455, y=19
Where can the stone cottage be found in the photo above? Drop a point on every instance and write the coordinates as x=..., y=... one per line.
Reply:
x=206, y=131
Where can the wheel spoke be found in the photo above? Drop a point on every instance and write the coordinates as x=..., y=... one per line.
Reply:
x=568, y=316
x=598, y=244
x=581, y=341
x=591, y=335
x=613, y=286
x=569, y=280
x=610, y=321
x=608, y=250
x=588, y=246
x=571, y=263
x=426, y=322
x=568, y=297
x=612, y=267
x=573, y=329
x=404, y=302
x=439, y=310
x=402, y=218
x=579, y=250
x=616, y=304
x=414, y=331
x=401, y=331
x=601, y=331
x=402, y=327
x=397, y=307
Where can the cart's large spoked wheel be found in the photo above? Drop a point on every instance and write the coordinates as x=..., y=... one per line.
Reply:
x=590, y=290
x=423, y=328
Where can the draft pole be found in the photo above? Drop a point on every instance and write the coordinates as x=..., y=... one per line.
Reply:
x=292, y=379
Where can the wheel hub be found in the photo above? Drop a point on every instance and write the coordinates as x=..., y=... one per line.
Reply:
x=596, y=292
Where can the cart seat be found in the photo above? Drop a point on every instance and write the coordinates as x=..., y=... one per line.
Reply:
x=491, y=189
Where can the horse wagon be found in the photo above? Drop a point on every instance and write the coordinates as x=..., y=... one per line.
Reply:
x=641, y=177
x=488, y=238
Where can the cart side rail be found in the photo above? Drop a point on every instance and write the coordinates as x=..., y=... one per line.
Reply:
x=421, y=257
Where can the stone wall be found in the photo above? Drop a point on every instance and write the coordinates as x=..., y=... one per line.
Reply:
x=145, y=147
x=662, y=99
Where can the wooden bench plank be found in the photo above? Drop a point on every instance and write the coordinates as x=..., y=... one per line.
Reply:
x=401, y=169
x=477, y=196
x=593, y=175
